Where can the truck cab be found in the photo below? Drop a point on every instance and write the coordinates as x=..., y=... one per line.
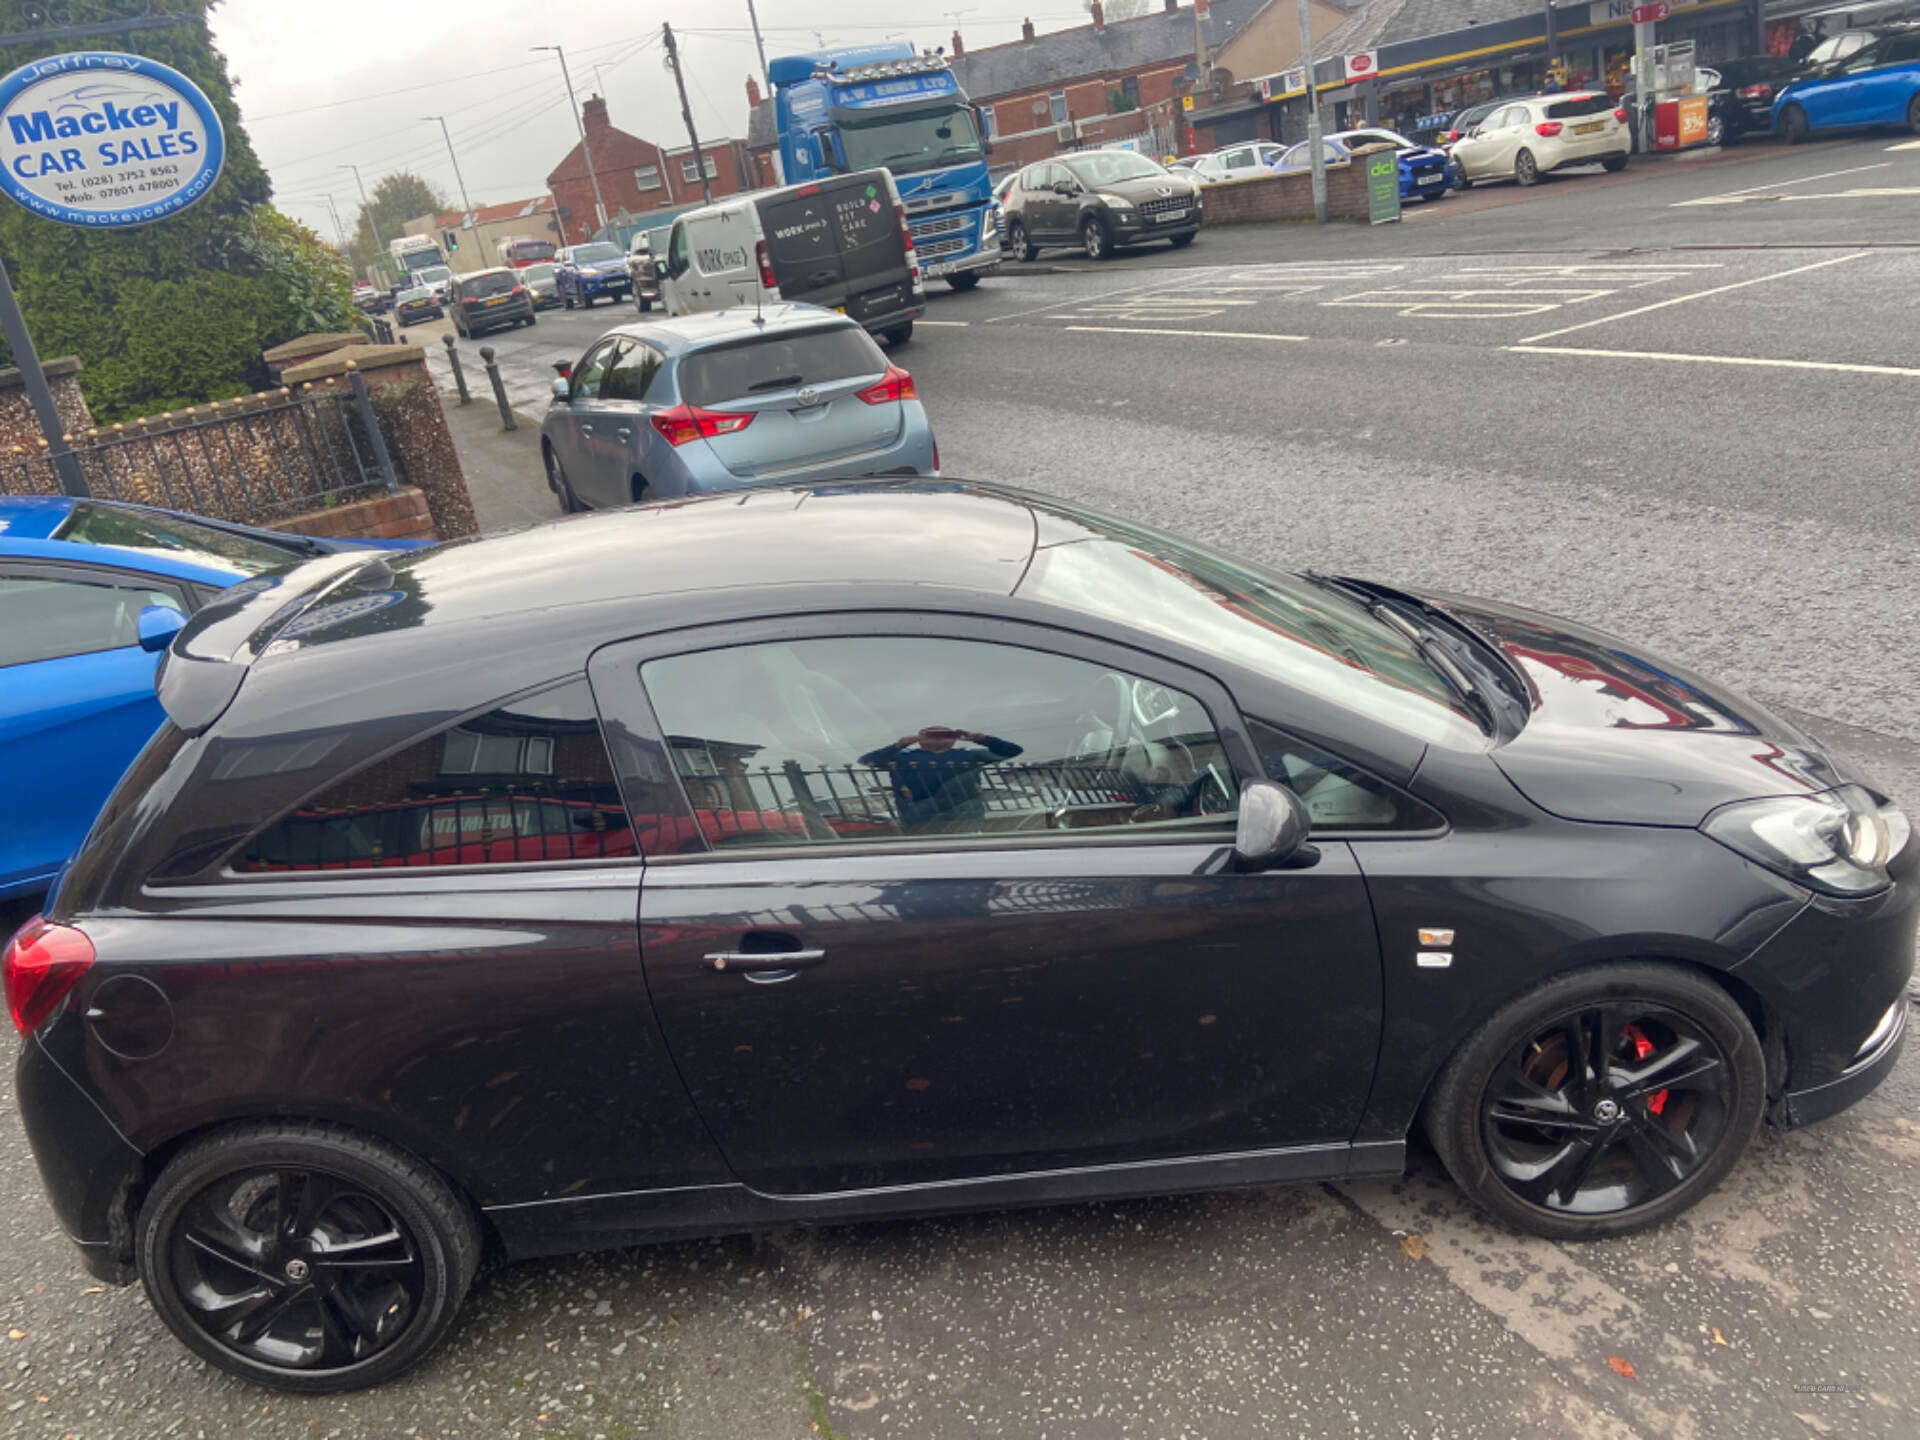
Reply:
x=886, y=107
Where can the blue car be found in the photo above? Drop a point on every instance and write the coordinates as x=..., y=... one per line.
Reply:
x=90, y=592
x=1425, y=173
x=1876, y=85
x=584, y=273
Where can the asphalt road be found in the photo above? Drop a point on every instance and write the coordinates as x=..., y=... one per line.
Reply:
x=1485, y=397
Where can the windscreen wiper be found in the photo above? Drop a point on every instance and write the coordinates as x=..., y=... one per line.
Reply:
x=1425, y=642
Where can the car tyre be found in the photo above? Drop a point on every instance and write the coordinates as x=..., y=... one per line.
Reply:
x=1913, y=114
x=558, y=484
x=232, y=1245
x=900, y=334
x=1584, y=1148
x=1095, y=239
x=1615, y=163
x=1793, y=123
x=642, y=304
x=1526, y=170
x=1716, y=130
x=1465, y=182
x=964, y=281
x=1023, y=248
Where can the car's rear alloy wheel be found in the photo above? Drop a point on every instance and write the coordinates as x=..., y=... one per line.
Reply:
x=305, y=1257
x=1793, y=120
x=1093, y=236
x=1525, y=169
x=1604, y=1102
x=1716, y=130
x=1018, y=243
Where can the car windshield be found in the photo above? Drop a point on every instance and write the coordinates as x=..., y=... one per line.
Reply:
x=1305, y=636
x=538, y=272
x=914, y=142
x=1379, y=137
x=433, y=274
x=1112, y=167
x=408, y=296
x=118, y=529
x=780, y=361
x=600, y=250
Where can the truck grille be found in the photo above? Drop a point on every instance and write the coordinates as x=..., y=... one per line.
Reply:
x=1172, y=202
x=938, y=248
x=944, y=226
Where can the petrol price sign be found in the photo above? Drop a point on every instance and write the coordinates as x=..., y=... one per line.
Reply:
x=105, y=140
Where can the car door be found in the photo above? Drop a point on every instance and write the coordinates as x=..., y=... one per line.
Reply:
x=1842, y=100
x=673, y=286
x=579, y=439
x=620, y=428
x=76, y=703
x=1491, y=151
x=1888, y=87
x=936, y=898
x=1035, y=199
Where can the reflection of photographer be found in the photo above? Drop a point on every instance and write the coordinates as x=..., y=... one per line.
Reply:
x=934, y=782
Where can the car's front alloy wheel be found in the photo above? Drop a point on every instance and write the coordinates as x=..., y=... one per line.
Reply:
x=1526, y=169
x=1606, y=1101
x=1093, y=238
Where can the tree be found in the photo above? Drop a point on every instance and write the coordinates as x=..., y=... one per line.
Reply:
x=397, y=198
x=1118, y=9
x=178, y=312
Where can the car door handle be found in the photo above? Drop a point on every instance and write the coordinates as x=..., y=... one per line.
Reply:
x=586, y=429
x=760, y=960
x=624, y=432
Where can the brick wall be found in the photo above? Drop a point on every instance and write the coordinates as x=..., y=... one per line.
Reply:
x=1288, y=196
x=405, y=516
x=730, y=167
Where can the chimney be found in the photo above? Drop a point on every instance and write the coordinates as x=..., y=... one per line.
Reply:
x=1099, y=16
x=1026, y=30
x=593, y=116
x=959, y=50
x=753, y=93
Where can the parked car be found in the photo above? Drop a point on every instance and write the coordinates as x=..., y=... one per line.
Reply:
x=1102, y=201
x=1879, y=84
x=90, y=591
x=642, y=274
x=1207, y=168
x=1249, y=158
x=1531, y=138
x=541, y=284
x=486, y=300
x=1003, y=187
x=1277, y=867
x=368, y=299
x=1470, y=119
x=711, y=402
x=410, y=307
x=1425, y=173
x=1842, y=45
x=842, y=243
x=438, y=279
x=584, y=273
x=1742, y=103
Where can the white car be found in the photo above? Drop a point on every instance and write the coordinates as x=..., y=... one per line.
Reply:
x=1529, y=138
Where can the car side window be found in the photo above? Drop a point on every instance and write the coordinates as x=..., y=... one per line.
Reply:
x=876, y=738
x=528, y=781
x=1035, y=178
x=591, y=373
x=55, y=617
x=631, y=373
x=677, y=250
x=1338, y=796
x=1901, y=50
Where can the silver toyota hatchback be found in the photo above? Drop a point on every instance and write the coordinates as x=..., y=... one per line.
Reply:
x=789, y=394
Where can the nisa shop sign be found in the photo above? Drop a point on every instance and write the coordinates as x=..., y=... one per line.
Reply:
x=105, y=140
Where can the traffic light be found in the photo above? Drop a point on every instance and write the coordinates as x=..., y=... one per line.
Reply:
x=453, y=239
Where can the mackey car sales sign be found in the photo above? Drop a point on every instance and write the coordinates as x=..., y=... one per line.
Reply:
x=106, y=140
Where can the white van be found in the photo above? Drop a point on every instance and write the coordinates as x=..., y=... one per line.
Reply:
x=841, y=243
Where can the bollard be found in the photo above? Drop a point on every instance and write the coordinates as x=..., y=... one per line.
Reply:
x=459, y=375
x=499, y=389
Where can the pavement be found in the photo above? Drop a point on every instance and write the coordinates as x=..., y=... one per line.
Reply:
x=1515, y=397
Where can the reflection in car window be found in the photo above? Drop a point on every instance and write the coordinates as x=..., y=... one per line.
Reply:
x=161, y=534
x=592, y=371
x=630, y=376
x=1338, y=796
x=530, y=781
x=781, y=361
x=1577, y=106
x=488, y=282
x=49, y=619
x=886, y=737
x=1112, y=166
x=1313, y=639
x=592, y=254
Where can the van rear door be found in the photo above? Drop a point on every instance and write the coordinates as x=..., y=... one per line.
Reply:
x=838, y=243
x=721, y=272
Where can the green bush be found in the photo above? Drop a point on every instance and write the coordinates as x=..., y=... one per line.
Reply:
x=175, y=313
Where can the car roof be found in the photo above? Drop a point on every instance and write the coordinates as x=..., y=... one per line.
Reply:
x=28, y=523
x=713, y=327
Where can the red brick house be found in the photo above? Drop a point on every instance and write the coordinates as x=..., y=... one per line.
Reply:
x=636, y=176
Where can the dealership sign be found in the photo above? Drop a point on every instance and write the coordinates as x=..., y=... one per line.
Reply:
x=105, y=140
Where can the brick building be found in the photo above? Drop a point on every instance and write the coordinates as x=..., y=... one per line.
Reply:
x=636, y=176
x=482, y=229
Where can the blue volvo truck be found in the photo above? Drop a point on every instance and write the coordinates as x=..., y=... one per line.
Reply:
x=883, y=106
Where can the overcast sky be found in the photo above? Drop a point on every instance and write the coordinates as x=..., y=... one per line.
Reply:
x=321, y=86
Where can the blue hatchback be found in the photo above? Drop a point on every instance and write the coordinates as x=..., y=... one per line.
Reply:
x=1878, y=84
x=90, y=592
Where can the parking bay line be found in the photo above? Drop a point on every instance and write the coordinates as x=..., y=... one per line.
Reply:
x=1910, y=372
x=1185, y=276
x=1781, y=184
x=951, y=324
x=1203, y=334
x=1696, y=295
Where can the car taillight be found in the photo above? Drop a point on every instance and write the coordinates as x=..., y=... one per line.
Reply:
x=40, y=965
x=1548, y=128
x=519, y=289
x=1755, y=92
x=1621, y=114
x=906, y=239
x=689, y=422
x=1452, y=135
x=767, y=282
x=895, y=385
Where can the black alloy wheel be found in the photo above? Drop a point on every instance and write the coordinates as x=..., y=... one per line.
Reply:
x=304, y=1257
x=1607, y=1101
x=1526, y=170
x=1094, y=238
x=1793, y=120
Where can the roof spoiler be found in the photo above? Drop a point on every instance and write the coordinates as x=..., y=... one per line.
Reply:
x=203, y=668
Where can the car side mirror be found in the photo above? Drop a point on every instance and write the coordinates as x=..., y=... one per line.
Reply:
x=660, y=269
x=563, y=389
x=157, y=626
x=1270, y=831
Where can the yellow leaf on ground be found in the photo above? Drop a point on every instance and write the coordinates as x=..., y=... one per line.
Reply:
x=1718, y=1338
x=1414, y=1245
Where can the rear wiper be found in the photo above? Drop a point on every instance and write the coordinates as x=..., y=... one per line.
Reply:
x=779, y=382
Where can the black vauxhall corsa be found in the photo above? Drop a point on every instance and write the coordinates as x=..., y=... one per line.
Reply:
x=896, y=848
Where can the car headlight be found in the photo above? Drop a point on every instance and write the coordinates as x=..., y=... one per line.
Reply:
x=1117, y=202
x=1840, y=841
x=990, y=225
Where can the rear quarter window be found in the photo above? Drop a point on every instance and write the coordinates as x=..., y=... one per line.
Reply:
x=778, y=362
x=1580, y=106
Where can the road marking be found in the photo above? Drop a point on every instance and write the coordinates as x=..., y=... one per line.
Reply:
x=1180, y=278
x=1906, y=145
x=1447, y=303
x=1527, y=348
x=1780, y=184
x=1204, y=334
x=1697, y=295
x=952, y=324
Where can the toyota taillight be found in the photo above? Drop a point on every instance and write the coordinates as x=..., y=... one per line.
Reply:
x=40, y=965
x=1755, y=92
x=689, y=422
x=519, y=289
x=1548, y=128
x=895, y=385
x=767, y=282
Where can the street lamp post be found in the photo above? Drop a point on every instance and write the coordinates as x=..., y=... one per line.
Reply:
x=586, y=150
x=1317, y=160
x=367, y=204
x=465, y=204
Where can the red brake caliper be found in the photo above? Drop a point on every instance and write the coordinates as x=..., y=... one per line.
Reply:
x=1642, y=1048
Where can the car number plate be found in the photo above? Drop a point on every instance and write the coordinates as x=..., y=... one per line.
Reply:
x=1167, y=215
x=1594, y=129
x=936, y=270
x=499, y=299
x=1431, y=179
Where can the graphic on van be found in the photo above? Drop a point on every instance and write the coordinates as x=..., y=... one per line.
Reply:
x=714, y=261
